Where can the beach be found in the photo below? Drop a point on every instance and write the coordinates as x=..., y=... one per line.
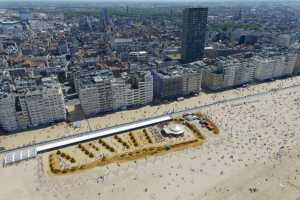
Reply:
x=255, y=156
x=107, y=120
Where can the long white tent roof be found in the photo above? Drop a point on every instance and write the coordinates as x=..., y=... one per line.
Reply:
x=31, y=151
x=101, y=133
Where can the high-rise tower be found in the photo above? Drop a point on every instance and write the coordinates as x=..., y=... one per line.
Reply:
x=193, y=37
x=104, y=18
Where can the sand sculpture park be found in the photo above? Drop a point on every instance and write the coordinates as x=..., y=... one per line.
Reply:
x=180, y=133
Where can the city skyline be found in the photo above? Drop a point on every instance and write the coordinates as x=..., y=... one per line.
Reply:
x=173, y=100
x=182, y=1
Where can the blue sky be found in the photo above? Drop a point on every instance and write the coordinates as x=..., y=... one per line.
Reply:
x=150, y=0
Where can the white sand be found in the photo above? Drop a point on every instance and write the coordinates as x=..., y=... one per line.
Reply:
x=245, y=155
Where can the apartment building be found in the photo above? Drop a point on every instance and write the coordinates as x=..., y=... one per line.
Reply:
x=244, y=74
x=291, y=63
x=30, y=105
x=193, y=33
x=270, y=67
x=264, y=68
x=8, y=120
x=230, y=75
x=175, y=81
x=231, y=71
x=212, y=80
x=102, y=91
x=95, y=92
x=139, y=91
x=297, y=65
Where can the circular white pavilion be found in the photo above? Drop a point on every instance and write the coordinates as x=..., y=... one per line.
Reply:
x=174, y=130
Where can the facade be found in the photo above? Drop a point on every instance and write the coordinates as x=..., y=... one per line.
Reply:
x=230, y=71
x=244, y=74
x=278, y=63
x=176, y=81
x=122, y=44
x=104, y=18
x=95, y=93
x=138, y=56
x=230, y=75
x=31, y=106
x=264, y=69
x=274, y=66
x=140, y=91
x=284, y=40
x=212, y=80
x=291, y=63
x=297, y=65
x=8, y=118
x=194, y=30
x=102, y=92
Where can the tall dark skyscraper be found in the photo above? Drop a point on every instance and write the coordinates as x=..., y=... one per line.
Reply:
x=104, y=18
x=194, y=29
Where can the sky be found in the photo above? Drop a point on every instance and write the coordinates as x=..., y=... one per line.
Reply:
x=150, y=0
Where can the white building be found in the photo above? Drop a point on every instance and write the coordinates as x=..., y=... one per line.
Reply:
x=235, y=71
x=138, y=56
x=105, y=92
x=8, y=120
x=291, y=60
x=177, y=81
x=264, y=68
x=297, y=64
x=141, y=92
x=284, y=40
x=121, y=44
x=229, y=75
x=274, y=66
x=119, y=93
x=31, y=107
x=244, y=74
x=95, y=94
x=278, y=66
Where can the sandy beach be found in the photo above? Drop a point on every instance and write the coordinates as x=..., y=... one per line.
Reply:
x=107, y=120
x=255, y=156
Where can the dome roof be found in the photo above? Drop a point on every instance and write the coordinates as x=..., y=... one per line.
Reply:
x=176, y=128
